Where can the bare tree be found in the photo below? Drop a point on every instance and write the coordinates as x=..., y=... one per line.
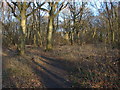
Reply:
x=53, y=12
x=22, y=18
x=76, y=14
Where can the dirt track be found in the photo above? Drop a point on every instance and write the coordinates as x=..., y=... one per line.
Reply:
x=62, y=67
x=50, y=72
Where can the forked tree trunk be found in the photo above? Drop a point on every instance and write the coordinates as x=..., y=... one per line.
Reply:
x=22, y=17
x=52, y=14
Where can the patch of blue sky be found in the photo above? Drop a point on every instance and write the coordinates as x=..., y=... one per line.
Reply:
x=60, y=0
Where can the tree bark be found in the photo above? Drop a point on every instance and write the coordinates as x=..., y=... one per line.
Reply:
x=49, y=33
x=21, y=47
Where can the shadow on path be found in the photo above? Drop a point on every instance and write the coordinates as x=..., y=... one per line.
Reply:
x=51, y=80
x=51, y=74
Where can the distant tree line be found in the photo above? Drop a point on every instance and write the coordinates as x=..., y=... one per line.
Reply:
x=44, y=24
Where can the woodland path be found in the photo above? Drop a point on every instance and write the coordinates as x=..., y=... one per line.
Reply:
x=50, y=71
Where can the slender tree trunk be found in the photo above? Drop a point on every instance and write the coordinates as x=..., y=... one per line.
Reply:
x=35, y=39
x=72, y=37
x=77, y=35
x=39, y=31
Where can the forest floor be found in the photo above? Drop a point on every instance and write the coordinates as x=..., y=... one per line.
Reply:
x=63, y=67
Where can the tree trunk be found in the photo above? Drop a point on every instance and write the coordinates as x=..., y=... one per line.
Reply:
x=39, y=31
x=49, y=34
x=72, y=38
x=21, y=47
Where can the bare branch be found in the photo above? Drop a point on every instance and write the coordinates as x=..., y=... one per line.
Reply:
x=15, y=3
x=29, y=4
x=39, y=7
x=13, y=9
x=61, y=8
